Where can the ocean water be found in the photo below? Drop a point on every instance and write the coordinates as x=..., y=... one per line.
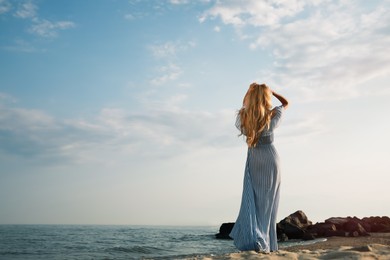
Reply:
x=111, y=242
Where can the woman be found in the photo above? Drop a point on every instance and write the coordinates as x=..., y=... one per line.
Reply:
x=255, y=228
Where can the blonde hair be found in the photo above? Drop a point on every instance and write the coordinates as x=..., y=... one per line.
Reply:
x=255, y=115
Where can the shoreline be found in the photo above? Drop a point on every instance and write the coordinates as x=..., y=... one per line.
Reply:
x=375, y=246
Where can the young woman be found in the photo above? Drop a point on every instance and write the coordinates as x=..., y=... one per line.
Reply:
x=255, y=228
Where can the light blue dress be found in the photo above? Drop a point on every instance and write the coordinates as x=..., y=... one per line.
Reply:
x=255, y=227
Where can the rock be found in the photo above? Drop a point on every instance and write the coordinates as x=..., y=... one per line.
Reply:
x=354, y=226
x=365, y=225
x=308, y=236
x=321, y=228
x=354, y=234
x=292, y=231
x=280, y=232
x=225, y=230
x=378, y=227
x=335, y=233
x=299, y=218
x=338, y=222
x=377, y=224
x=383, y=220
x=294, y=225
x=282, y=238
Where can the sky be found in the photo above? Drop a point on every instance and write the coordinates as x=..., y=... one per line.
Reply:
x=123, y=112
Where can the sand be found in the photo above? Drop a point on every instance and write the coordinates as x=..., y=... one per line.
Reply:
x=376, y=246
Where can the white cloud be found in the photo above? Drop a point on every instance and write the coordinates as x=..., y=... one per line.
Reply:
x=167, y=49
x=170, y=49
x=27, y=133
x=45, y=28
x=5, y=6
x=26, y=10
x=168, y=53
x=129, y=17
x=167, y=73
x=178, y=2
x=253, y=12
x=5, y=98
x=22, y=46
x=170, y=130
x=39, y=26
x=325, y=53
x=217, y=29
x=328, y=56
x=299, y=129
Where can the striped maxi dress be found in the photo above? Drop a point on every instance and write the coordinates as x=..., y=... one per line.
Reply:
x=255, y=227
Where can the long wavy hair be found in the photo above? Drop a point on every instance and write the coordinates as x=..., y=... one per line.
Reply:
x=255, y=115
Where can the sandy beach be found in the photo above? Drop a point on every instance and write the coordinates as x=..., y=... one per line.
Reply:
x=375, y=246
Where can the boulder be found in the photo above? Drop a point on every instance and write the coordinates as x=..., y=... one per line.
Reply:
x=353, y=226
x=335, y=233
x=299, y=219
x=308, y=236
x=354, y=234
x=292, y=231
x=320, y=229
x=225, y=230
x=337, y=221
x=341, y=222
x=294, y=226
x=366, y=226
x=377, y=224
x=282, y=237
x=378, y=227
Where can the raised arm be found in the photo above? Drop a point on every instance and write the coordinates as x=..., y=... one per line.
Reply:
x=282, y=99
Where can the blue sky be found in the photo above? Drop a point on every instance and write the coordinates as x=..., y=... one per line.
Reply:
x=122, y=112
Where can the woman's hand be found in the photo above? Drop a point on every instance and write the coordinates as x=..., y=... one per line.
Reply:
x=282, y=99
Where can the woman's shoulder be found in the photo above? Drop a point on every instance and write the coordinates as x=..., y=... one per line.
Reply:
x=278, y=110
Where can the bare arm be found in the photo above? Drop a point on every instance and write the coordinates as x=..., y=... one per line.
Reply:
x=282, y=99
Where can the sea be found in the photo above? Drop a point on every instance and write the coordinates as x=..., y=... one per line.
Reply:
x=113, y=242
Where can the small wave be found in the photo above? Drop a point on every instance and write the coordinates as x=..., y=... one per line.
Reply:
x=193, y=238
x=135, y=249
x=76, y=247
x=14, y=253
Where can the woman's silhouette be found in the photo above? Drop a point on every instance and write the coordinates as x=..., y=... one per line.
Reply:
x=255, y=228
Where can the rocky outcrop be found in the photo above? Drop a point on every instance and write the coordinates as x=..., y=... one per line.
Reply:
x=378, y=224
x=294, y=226
x=323, y=230
x=224, y=231
x=298, y=226
x=338, y=222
